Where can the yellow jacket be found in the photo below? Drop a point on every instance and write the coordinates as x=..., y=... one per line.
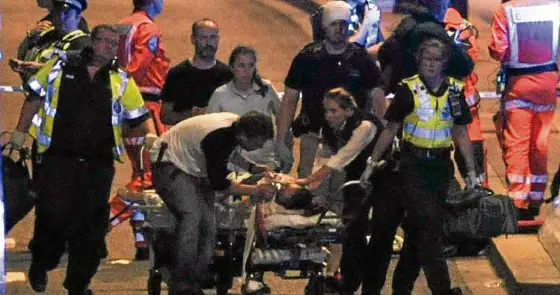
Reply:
x=127, y=103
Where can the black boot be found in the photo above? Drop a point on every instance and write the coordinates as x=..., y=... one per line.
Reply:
x=37, y=278
x=453, y=291
x=142, y=254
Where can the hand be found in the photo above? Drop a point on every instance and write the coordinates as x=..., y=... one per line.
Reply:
x=40, y=27
x=16, y=140
x=371, y=168
x=19, y=66
x=149, y=140
x=472, y=180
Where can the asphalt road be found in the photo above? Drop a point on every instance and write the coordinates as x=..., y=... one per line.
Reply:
x=278, y=29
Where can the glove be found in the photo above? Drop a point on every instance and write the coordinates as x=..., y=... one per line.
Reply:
x=149, y=140
x=472, y=180
x=16, y=140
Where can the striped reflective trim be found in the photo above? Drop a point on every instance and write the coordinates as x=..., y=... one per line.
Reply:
x=124, y=82
x=139, y=237
x=150, y=90
x=49, y=110
x=135, y=113
x=536, y=195
x=472, y=100
x=516, y=178
x=116, y=120
x=138, y=216
x=424, y=133
x=543, y=178
x=44, y=139
x=134, y=140
x=55, y=71
x=518, y=195
x=36, y=86
x=37, y=120
x=118, y=150
x=524, y=104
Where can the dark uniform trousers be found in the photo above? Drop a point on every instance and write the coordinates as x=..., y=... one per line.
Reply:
x=72, y=207
x=426, y=182
x=364, y=262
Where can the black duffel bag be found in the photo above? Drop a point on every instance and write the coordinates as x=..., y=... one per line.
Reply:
x=480, y=213
x=19, y=196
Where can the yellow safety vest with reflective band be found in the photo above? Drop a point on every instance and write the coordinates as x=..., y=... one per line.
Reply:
x=126, y=103
x=44, y=53
x=429, y=124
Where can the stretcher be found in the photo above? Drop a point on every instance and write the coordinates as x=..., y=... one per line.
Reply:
x=293, y=243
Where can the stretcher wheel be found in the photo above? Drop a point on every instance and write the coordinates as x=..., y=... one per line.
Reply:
x=316, y=285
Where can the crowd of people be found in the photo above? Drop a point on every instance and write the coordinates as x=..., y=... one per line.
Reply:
x=93, y=97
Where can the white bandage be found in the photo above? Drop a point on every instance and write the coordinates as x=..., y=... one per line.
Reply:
x=336, y=10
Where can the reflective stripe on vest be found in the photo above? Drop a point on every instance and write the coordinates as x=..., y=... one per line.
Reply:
x=43, y=120
x=429, y=124
x=59, y=47
x=533, y=34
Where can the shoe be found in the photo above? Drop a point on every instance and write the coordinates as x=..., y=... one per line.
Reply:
x=453, y=291
x=37, y=278
x=80, y=292
x=142, y=254
x=333, y=284
x=255, y=288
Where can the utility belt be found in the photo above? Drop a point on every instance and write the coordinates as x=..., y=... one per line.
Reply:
x=532, y=70
x=417, y=152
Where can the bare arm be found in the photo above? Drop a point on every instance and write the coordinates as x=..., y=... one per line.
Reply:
x=385, y=140
x=28, y=110
x=170, y=117
x=379, y=102
x=286, y=113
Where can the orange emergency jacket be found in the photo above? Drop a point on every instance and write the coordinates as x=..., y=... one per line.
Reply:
x=143, y=54
x=513, y=43
x=464, y=32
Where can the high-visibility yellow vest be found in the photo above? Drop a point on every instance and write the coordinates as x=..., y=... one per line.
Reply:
x=429, y=124
x=126, y=103
x=44, y=53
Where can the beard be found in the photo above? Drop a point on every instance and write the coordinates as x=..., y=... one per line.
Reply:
x=207, y=51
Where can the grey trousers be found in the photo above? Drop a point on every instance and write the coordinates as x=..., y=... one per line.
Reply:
x=191, y=201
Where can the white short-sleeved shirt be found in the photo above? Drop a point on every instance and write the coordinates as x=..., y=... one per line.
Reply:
x=227, y=99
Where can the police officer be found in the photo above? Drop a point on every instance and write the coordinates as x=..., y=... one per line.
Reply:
x=317, y=68
x=143, y=55
x=431, y=110
x=64, y=35
x=78, y=134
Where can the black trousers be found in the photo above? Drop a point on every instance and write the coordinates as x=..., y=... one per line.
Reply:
x=72, y=207
x=425, y=182
x=366, y=262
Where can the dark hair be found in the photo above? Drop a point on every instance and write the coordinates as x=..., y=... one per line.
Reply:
x=95, y=32
x=255, y=124
x=199, y=23
x=139, y=4
x=240, y=50
x=342, y=97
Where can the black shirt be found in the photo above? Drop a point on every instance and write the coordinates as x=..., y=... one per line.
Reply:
x=314, y=72
x=217, y=147
x=403, y=104
x=186, y=86
x=82, y=125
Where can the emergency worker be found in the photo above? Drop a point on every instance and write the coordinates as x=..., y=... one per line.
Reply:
x=527, y=48
x=349, y=136
x=78, y=134
x=465, y=36
x=144, y=57
x=189, y=165
x=190, y=84
x=431, y=110
x=317, y=68
x=58, y=31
